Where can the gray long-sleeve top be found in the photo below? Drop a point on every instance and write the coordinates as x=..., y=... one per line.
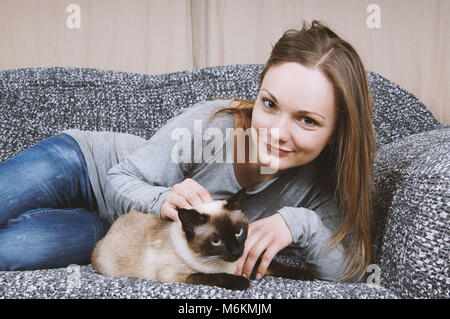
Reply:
x=128, y=172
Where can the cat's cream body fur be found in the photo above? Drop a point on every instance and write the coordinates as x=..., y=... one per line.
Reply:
x=144, y=246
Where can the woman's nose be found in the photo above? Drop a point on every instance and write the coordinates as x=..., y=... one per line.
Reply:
x=282, y=131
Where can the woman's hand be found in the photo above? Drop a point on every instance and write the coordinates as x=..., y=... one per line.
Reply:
x=186, y=194
x=266, y=236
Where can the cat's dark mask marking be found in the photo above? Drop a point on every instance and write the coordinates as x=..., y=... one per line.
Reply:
x=217, y=230
x=232, y=246
x=190, y=218
x=227, y=229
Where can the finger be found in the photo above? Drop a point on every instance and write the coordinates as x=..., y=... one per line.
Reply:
x=240, y=265
x=171, y=213
x=253, y=256
x=199, y=190
x=185, y=190
x=249, y=243
x=192, y=198
x=204, y=194
x=177, y=201
x=265, y=261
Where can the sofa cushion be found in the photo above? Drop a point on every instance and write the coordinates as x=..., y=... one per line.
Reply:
x=37, y=103
x=412, y=214
x=397, y=113
x=84, y=282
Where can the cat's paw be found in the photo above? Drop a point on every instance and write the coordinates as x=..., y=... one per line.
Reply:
x=239, y=283
x=304, y=274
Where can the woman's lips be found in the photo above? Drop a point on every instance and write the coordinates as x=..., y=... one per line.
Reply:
x=277, y=151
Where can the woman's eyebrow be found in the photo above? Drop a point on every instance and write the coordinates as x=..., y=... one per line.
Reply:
x=271, y=95
x=300, y=112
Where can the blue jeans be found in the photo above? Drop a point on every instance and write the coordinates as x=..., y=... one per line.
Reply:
x=47, y=207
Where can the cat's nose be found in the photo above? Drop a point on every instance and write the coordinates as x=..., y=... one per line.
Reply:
x=236, y=252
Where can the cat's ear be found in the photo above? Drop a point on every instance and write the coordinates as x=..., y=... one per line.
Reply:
x=190, y=218
x=235, y=201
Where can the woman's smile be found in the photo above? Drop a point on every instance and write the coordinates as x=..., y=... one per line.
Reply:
x=280, y=152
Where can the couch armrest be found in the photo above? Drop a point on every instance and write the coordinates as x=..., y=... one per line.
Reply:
x=412, y=213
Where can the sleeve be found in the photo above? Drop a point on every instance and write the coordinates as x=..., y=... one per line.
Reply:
x=144, y=178
x=311, y=231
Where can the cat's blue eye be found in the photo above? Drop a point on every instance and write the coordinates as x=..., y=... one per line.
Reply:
x=216, y=242
x=241, y=231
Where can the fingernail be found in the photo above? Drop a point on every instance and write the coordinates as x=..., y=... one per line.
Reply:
x=244, y=275
x=258, y=276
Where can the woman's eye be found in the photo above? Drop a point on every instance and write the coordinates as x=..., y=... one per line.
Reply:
x=216, y=242
x=268, y=103
x=241, y=231
x=308, y=121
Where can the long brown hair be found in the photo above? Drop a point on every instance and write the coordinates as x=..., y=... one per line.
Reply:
x=352, y=152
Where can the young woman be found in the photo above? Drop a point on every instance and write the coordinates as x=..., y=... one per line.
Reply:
x=59, y=197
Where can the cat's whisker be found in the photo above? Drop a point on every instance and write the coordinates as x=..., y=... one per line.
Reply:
x=213, y=260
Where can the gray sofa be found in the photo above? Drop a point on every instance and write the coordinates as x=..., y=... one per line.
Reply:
x=411, y=175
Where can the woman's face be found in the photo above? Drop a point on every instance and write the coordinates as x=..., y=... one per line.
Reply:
x=299, y=102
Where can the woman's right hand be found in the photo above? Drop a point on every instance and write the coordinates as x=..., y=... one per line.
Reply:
x=186, y=194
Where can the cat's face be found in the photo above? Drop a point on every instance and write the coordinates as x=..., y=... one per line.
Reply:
x=215, y=231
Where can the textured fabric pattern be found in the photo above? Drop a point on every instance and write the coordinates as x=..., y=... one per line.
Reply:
x=38, y=103
x=397, y=113
x=84, y=282
x=411, y=175
x=412, y=241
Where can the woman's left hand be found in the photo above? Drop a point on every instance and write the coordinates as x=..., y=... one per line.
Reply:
x=268, y=235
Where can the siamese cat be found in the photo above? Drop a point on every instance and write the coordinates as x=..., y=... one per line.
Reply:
x=203, y=248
